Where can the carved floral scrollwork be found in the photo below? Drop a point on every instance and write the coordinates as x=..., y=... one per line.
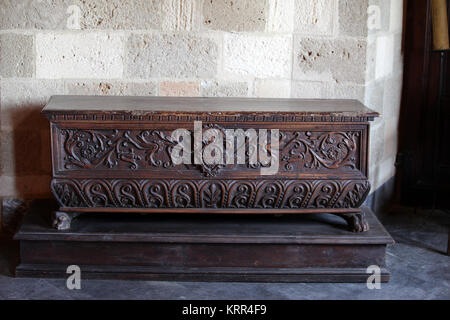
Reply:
x=241, y=194
x=155, y=194
x=89, y=149
x=297, y=194
x=98, y=193
x=127, y=193
x=184, y=194
x=146, y=149
x=269, y=194
x=264, y=194
x=330, y=150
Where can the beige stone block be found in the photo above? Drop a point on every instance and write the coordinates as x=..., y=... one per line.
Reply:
x=281, y=15
x=374, y=96
x=390, y=138
x=343, y=91
x=236, y=15
x=120, y=15
x=223, y=89
x=315, y=16
x=171, y=55
x=392, y=97
x=307, y=90
x=339, y=60
x=353, y=17
x=22, y=101
x=115, y=88
x=84, y=14
x=257, y=56
x=16, y=55
x=398, y=55
x=34, y=14
x=267, y=88
x=377, y=142
x=179, y=89
x=181, y=15
x=373, y=178
x=384, y=56
x=396, y=16
x=371, y=58
x=378, y=16
x=79, y=55
x=381, y=173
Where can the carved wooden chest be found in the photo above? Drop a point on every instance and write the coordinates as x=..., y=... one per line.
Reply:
x=120, y=154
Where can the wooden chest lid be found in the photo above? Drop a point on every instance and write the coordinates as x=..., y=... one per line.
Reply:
x=69, y=107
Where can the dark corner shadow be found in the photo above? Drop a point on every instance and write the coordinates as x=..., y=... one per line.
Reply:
x=9, y=257
x=16, y=210
x=412, y=219
x=417, y=244
x=31, y=158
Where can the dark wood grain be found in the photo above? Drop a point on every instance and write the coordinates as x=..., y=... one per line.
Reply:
x=142, y=105
x=308, y=248
x=113, y=154
x=307, y=228
x=424, y=155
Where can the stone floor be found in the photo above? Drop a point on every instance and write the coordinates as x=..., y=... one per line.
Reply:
x=419, y=267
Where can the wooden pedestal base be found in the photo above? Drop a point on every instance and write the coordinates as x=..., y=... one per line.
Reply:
x=308, y=248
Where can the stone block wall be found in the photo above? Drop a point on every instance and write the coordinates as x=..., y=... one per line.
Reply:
x=245, y=48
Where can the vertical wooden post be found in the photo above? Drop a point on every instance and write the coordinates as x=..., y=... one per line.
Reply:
x=440, y=24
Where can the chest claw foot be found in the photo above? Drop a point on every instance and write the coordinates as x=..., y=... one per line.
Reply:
x=356, y=221
x=62, y=220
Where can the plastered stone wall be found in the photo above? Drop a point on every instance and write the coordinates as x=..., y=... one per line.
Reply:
x=245, y=48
